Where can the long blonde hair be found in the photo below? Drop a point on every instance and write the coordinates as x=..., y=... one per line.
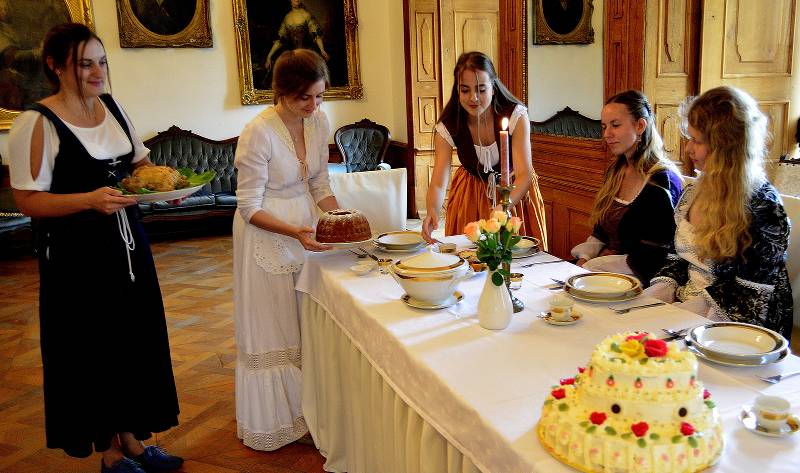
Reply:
x=648, y=158
x=736, y=133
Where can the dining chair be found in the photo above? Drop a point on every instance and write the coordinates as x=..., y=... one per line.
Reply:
x=363, y=145
x=792, y=206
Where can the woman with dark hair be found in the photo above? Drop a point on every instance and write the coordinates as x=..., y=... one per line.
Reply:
x=732, y=231
x=282, y=163
x=470, y=124
x=107, y=372
x=632, y=219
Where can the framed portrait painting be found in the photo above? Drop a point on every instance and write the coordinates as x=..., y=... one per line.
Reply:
x=23, y=24
x=562, y=22
x=264, y=30
x=163, y=24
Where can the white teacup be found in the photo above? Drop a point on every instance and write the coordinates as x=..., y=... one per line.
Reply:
x=771, y=412
x=561, y=308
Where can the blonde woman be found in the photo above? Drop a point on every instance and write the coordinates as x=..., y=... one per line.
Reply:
x=632, y=219
x=732, y=231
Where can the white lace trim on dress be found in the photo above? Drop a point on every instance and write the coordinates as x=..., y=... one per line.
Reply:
x=273, y=255
x=271, y=359
x=269, y=441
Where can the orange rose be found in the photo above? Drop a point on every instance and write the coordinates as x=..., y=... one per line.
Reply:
x=472, y=231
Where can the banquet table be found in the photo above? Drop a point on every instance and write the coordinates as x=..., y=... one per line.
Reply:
x=390, y=388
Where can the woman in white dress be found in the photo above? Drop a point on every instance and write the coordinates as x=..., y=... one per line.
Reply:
x=281, y=159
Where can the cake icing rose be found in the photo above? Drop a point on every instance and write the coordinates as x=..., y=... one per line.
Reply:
x=636, y=407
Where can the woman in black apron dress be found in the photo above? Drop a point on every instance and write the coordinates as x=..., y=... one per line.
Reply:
x=108, y=379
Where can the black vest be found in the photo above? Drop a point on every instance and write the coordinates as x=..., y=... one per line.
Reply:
x=459, y=131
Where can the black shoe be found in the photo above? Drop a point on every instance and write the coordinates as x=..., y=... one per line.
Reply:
x=126, y=465
x=156, y=459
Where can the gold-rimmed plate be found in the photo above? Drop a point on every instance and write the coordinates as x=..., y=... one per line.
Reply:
x=410, y=249
x=726, y=362
x=527, y=246
x=603, y=285
x=418, y=304
x=738, y=342
x=399, y=240
x=588, y=298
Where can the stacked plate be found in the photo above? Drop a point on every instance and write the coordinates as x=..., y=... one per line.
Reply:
x=399, y=242
x=603, y=287
x=737, y=344
x=527, y=246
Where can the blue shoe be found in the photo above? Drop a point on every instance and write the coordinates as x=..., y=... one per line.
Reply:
x=126, y=465
x=156, y=459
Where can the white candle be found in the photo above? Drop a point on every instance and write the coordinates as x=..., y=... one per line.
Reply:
x=505, y=175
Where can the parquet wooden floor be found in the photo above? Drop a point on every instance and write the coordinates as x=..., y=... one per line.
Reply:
x=196, y=283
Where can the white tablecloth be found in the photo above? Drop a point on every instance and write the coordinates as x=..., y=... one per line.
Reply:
x=482, y=390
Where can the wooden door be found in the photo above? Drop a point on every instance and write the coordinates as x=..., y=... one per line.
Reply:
x=438, y=32
x=670, y=66
x=467, y=25
x=750, y=44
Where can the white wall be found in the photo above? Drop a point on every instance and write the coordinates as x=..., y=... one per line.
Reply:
x=566, y=75
x=198, y=88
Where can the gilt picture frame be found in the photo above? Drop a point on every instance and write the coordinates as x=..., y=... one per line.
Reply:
x=164, y=24
x=563, y=22
x=263, y=30
x=23, y=26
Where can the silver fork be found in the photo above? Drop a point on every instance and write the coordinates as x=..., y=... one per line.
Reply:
x=528, y=265
x=778, y=377
x=367, y=253
x=625, y=310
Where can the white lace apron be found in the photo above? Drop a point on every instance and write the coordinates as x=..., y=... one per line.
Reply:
x=276, y=253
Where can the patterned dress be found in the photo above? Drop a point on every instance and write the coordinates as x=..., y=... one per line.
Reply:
x=752, y=288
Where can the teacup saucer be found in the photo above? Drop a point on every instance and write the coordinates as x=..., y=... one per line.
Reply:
x=576, y=316
x=748, y=418
x=418, y=304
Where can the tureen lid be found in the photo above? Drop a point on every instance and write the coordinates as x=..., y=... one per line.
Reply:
x=430, y=261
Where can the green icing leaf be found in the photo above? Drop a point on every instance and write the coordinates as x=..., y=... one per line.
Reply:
x=710, y=404
x=591, y=429
x=610, y=430
x=692, y=441
x=626, y=435
x=643, y=361
x=654, y=436
x=563, y=407
x=548, y=402
x=677, y=438
x=584, y=423
x=642, y=442
x=615, y=347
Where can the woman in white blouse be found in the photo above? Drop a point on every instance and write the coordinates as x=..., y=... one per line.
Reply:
x=107, y=372
x=281, y=158
x=470, y=124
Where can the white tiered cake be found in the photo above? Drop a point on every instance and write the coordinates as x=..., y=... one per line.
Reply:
x=637, y=407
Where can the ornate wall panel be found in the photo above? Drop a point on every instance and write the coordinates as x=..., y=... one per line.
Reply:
x=758, y=43
x=674, y=34
x=426, y=57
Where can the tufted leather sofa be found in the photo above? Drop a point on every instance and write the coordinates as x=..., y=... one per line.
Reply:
x=211, y=209
x=568, y=122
